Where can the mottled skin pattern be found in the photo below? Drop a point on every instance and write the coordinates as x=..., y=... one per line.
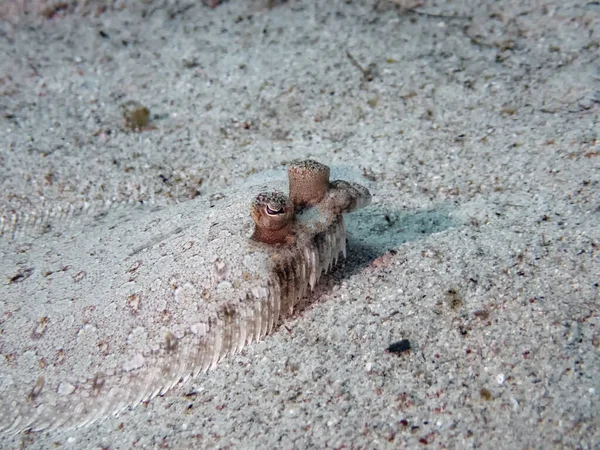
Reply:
x=101, y=319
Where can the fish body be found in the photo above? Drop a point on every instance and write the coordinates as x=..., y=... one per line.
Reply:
x=104, y=317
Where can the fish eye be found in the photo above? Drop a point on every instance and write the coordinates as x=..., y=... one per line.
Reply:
x=274, y=209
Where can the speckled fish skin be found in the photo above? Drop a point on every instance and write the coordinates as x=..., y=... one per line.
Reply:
x=99, y=319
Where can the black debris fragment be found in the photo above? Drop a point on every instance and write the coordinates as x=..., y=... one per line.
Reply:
x=21, y=275
x=399, y=347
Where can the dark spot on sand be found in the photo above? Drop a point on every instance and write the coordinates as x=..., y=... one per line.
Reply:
x=399, y=347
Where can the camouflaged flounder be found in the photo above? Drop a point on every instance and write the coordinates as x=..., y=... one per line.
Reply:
x=102, y=318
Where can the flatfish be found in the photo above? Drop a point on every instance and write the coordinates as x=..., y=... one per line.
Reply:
x=104, y=317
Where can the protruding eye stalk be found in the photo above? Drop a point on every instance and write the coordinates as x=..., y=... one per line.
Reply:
x=309, y=185
x=309, y=182
x=273, y=215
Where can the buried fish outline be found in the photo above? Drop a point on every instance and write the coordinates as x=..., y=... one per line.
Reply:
x=101, y=319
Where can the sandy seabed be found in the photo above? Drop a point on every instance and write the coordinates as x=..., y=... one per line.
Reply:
x=477, y=125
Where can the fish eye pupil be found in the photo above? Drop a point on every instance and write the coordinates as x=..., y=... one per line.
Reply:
x=274, y=209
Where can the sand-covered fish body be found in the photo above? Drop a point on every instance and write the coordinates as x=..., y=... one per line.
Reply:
x=102, y=318
x=103, y=315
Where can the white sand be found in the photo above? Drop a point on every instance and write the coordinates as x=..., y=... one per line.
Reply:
x=481, y=134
